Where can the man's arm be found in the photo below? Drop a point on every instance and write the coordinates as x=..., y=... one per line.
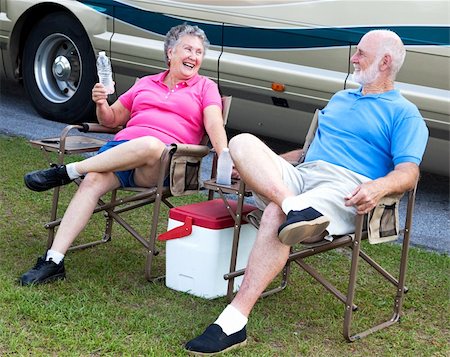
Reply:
x=366, y=196
x=293, y=156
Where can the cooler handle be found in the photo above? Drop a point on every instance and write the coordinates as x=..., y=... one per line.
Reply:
x=178, y=232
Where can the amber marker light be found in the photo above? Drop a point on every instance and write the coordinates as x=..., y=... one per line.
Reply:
x=278, y=87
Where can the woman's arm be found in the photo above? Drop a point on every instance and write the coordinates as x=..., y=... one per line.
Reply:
x=109, y=116
x=213, y=122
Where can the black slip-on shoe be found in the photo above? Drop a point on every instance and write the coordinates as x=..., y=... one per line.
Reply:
x=300, y=225
x=214, y=340
x=43, y=272
x=42, y=180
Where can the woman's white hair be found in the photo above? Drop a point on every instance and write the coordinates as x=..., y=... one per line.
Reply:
x=176, y=32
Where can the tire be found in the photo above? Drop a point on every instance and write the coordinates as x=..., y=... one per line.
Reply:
x=59, y=69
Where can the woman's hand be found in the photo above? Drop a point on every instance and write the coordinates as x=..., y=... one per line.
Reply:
x=99, y=94
x=235, y=174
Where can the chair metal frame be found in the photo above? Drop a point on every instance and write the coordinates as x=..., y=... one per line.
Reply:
x=353, y=242
x=67, y=144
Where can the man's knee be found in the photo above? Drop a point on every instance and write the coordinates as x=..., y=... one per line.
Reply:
x=239, y=144
x=273, y=212
x=272, y=217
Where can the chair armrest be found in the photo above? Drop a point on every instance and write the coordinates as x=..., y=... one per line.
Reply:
x=183, y=162
x=382, y=223
x=98, y=128
x=190, y=150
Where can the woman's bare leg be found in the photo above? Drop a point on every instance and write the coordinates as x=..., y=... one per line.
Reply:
x=81, y=207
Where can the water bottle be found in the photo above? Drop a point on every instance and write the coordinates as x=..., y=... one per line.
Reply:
x=105, y=72
x=224, y=168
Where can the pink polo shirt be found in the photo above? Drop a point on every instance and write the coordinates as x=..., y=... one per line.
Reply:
x=173, y=116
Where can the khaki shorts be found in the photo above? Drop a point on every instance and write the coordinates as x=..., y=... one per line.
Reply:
x=323, y=186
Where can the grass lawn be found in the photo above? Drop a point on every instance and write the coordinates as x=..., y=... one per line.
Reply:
x=106, y=307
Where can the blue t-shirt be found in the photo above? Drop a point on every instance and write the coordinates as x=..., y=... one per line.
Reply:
x=369, y=134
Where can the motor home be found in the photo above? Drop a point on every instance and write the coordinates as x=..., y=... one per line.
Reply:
x=280, y=60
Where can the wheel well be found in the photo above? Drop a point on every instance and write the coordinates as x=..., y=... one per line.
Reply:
x=23, y=28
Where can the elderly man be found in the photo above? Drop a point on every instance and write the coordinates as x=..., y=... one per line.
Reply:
x=369, y=144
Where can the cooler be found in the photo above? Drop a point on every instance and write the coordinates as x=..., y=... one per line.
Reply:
x=198, y=247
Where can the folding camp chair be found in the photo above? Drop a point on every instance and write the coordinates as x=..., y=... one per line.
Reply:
x=388, y=217
x=183, y=161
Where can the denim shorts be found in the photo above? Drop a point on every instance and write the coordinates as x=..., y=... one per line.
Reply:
x=126, y=178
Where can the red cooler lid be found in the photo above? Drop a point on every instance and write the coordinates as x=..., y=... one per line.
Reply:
x=209, y=214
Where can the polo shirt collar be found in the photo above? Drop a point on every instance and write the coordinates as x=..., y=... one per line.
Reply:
x=159, y=78
x=389, y=95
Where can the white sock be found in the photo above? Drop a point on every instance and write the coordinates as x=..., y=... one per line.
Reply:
x=231, y=320
x=72, y=171
x=293, y=203
x=55, y=256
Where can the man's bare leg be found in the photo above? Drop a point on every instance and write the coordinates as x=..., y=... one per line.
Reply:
x=266, y=260
x=258, y=166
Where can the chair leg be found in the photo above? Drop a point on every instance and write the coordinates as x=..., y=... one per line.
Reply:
x=400, y=285
x=152, y=252
x=352, y=279
x=236, y=234
x=284, y=281
x=325, y=283
x=380, y=269
x=53, y=213
x=108, y=227
x=151, y=242
x=401, y=288
x=109, y=220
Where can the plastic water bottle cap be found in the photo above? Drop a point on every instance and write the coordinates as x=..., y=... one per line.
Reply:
x=102, y=53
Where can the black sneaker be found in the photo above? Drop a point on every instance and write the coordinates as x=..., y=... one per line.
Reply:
x=300, y=225
x=43, y=272
x=214, y=340
x=42, y=180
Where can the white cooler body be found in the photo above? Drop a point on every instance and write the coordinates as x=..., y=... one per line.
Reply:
x=197, y=263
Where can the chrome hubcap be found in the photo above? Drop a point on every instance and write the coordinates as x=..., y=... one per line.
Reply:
x=61, y=68
x=57, y=68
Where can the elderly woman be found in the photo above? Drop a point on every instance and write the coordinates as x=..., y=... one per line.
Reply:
x=175, y=106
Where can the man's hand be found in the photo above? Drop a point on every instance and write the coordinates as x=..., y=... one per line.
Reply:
x=365, y=197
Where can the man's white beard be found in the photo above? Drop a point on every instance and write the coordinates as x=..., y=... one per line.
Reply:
x=369, y=75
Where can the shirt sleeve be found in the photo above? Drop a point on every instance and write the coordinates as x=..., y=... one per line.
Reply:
x=409, y=140
x=127, y=98
x=211, y=95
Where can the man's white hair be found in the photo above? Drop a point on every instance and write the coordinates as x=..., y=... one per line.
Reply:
x=391, y=44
